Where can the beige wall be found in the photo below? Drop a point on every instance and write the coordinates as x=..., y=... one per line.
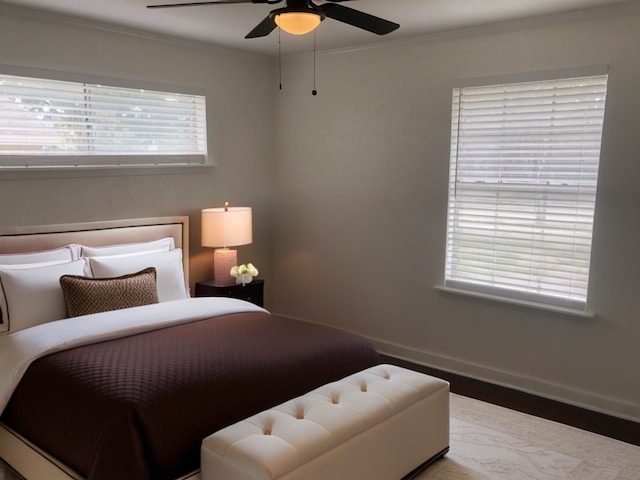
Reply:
x=238, y=89
x=361, y=200
x=349, y=188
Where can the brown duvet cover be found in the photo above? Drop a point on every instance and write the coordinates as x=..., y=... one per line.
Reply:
x=138, y=407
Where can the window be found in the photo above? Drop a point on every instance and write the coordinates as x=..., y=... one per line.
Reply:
x=522, y=190
x=49, y=123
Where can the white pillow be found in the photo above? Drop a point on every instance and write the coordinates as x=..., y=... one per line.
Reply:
x=23, y=266
x=43, y=258
x=33, y=295
x=129, y=249
x=67, y=253
x=3, y=301
x=168, y=265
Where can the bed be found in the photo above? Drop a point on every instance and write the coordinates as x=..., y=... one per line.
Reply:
x=129, y=389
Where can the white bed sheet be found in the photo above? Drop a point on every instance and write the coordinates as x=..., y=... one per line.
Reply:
x=19, y=349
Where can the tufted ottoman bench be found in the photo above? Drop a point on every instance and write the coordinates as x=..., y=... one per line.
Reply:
x=382, y=423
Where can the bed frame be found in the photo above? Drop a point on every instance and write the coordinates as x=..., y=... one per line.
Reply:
x=111, y=232
x=20, y=454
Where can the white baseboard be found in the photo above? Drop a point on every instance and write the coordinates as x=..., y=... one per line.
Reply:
x=535, y=386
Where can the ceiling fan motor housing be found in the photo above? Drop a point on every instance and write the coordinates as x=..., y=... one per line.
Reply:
x=299, y=6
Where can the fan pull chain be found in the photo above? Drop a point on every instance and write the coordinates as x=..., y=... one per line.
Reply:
x=314, y=91
x=279, y=59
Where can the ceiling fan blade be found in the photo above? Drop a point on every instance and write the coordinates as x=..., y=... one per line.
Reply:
x=359, y=19
x=264, y=28
x=196, y=4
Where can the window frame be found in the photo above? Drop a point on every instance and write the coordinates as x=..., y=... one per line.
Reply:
x=116, y=164
x=490, y=292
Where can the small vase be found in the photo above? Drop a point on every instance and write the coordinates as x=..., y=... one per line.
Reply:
x=244, y=279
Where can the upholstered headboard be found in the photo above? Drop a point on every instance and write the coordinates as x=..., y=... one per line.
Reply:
x=111, y=232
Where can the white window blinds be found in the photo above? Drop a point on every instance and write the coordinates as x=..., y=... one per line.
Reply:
x=523, y=177
x=54, y=123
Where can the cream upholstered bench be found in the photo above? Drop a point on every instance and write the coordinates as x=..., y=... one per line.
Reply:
x=382, y=423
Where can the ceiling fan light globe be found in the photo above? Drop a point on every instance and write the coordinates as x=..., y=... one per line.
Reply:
x=298, y=23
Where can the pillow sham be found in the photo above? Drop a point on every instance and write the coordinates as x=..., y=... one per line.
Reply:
x=128, y=249
x=168, y=265
x=67, y=253
x=32, y=260
x=33, y=295
x=86, y=295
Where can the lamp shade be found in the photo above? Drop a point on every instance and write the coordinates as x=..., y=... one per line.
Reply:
x=298, y=23
x=226, y=226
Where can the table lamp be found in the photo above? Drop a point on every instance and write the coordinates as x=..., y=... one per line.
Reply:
x=223, y=228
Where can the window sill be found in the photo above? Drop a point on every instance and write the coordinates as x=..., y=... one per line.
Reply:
x=116, y=171
x=518, y=303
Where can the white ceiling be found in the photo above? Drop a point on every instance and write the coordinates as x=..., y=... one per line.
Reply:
x=227, y=25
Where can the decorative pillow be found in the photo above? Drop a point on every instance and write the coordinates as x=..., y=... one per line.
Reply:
x=128, y=249
x=85, y=295
x=168, y=265
x=33, y=295
x=64, y=254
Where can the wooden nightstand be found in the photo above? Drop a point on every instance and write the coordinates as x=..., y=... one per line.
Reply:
x=252, y=292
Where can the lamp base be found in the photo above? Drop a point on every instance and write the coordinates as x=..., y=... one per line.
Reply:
x=223, y=260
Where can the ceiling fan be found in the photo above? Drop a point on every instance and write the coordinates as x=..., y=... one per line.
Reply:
x=303, y=16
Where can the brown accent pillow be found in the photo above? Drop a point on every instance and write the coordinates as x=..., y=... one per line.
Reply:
x=86, y=295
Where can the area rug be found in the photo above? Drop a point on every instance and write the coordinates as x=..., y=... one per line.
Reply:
x=494, y=443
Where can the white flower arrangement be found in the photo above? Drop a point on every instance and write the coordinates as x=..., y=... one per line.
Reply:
x=244, y=273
